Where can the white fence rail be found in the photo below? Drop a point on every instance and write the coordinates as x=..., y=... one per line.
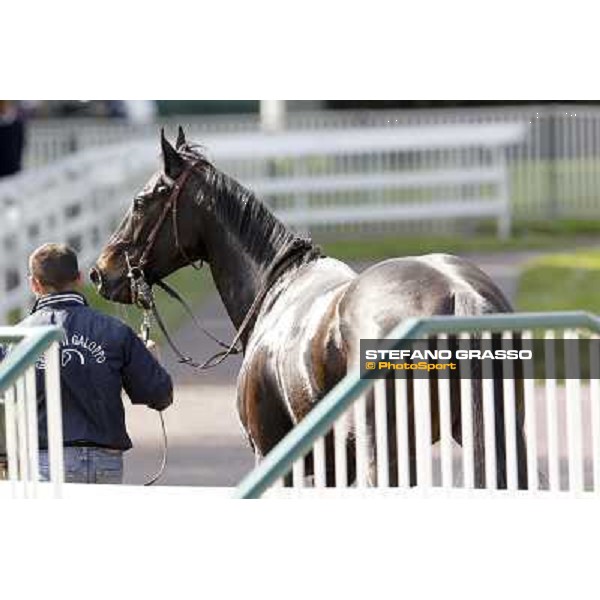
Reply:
x=28, y=349
x=402, y=434
x=554, y=170
x=78, y=200
x=326, y=179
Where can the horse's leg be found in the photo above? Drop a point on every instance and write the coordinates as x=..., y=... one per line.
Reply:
x=478, y=434
x=434, y=404
x=522, y=477
x=478, y=422
x=262, y=411
x=394, y=451
x=330, y=474
x=499, y=418
x=390, y=395
x=370, y=441
x=500, y=427
x=412, y=445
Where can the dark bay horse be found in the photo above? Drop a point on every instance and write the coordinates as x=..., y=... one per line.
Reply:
x=300, y=315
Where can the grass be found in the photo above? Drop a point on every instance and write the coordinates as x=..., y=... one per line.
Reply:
x=563, y=281
x=526, y=236
x=194, y=286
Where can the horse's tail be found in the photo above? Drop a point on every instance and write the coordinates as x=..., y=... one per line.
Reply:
x=466, y=304
x=470, y=304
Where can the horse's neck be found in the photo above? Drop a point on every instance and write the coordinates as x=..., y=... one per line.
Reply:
x=240, y=257
x=237, y=279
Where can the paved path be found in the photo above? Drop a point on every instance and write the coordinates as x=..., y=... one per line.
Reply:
x=206, y=446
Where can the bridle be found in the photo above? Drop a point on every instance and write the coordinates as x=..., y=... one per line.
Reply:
x=142, y=294
x=136, y=273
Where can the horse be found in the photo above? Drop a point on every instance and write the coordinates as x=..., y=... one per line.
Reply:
x=299, y=314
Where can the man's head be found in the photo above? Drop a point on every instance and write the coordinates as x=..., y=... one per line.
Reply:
x=53, y=268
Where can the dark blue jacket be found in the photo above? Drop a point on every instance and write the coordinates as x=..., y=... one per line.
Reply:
x=100, y=356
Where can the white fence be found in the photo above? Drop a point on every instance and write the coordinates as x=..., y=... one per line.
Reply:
x=30, y=350
x=329, y=179
x=78, y=200
x=357, y=178
x=380, y=433
x=555, y=170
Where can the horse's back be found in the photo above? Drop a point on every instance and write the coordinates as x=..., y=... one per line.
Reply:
x=399, y=288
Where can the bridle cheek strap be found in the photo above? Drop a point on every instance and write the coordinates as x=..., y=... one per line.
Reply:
x=170, y=205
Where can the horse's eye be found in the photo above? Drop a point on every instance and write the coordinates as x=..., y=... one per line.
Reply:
x=162, y=188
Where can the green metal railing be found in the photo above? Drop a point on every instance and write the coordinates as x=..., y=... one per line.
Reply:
x=31, y=342
x=322, y=417
x=17, y=385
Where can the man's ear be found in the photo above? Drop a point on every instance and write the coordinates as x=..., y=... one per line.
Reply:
x=36, y=287
x=180, y=138
x=172, y=163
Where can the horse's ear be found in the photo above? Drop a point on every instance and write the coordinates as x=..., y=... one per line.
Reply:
x=180, y=138
x=173, y=163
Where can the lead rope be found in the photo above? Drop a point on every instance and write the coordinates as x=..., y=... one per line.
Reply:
x=145, y=334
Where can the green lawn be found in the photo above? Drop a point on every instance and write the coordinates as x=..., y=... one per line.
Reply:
x=562, y=281
x=193, y=285
x=566, y=281
x=526, y=236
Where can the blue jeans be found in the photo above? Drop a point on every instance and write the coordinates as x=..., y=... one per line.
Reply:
x=87, y=465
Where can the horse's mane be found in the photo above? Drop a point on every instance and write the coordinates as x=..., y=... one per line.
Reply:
x=243, y=213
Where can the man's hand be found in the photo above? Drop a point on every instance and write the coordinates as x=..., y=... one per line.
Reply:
x=154, y=349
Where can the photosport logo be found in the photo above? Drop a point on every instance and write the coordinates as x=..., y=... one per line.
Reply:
x=491, y=357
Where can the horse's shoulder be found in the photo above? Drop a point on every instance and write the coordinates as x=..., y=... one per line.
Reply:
x=326, y=267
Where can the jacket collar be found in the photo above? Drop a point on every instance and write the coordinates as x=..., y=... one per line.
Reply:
x=59, y=300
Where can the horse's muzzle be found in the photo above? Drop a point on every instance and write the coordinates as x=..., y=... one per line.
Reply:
x=96, y=278
x=116, y=290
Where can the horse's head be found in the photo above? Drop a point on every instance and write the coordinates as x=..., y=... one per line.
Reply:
x=158, y=234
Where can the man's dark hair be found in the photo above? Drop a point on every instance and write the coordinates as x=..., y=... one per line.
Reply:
x=55, y=266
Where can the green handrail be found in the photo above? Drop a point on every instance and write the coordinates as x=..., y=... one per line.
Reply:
x=32, y=342
x=322, y=417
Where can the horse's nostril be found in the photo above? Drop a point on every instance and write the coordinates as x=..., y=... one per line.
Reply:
x=95, y=277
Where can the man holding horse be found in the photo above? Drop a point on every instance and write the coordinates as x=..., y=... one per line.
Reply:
x=100, y=356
